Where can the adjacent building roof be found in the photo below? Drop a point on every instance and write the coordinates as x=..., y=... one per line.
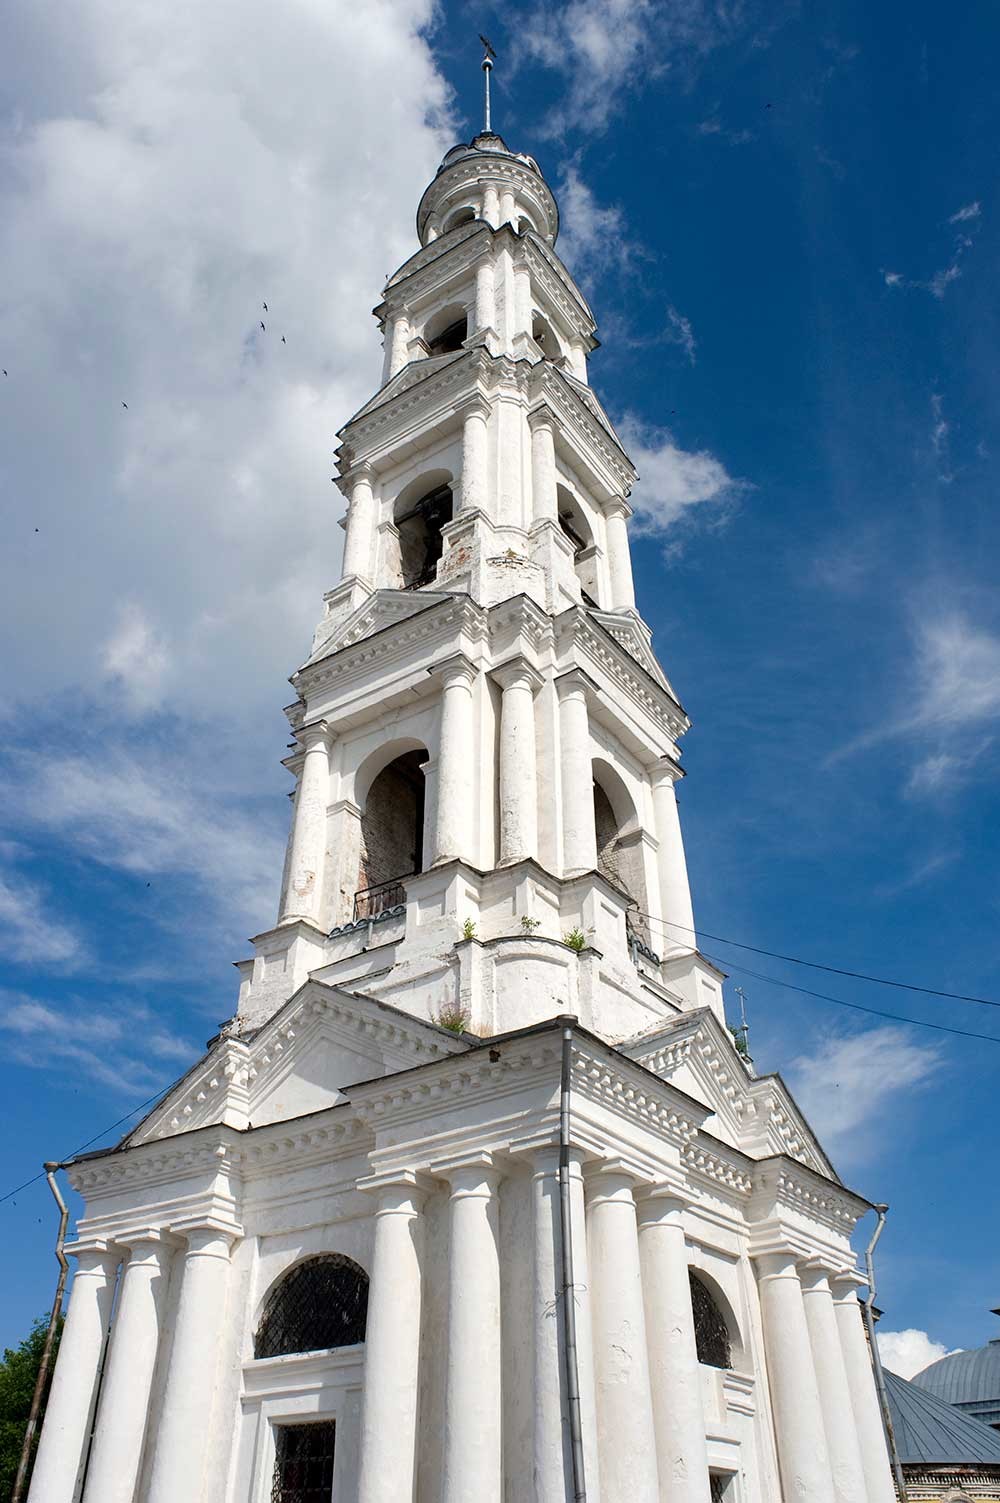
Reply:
x=929, y=1432
x=969, y=1379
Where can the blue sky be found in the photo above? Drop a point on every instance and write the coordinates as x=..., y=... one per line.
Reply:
x=785, y=217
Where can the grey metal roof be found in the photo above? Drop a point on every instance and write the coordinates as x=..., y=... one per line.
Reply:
x=930, y=1432
x=970, y=1379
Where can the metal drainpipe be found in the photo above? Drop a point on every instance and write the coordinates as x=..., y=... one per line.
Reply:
x=44, y=1366
x=883, y=1396
x=568, y=1284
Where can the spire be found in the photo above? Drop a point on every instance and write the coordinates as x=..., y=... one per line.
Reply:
x=489, y=57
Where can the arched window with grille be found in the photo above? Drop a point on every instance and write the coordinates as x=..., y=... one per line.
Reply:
x=711, y=1333
x=320, y=1303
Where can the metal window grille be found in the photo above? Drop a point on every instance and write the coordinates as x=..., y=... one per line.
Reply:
x=718, y=1487
x=303, y=1464
x=320, y=1303
x=711, y=1333
x=371, y=901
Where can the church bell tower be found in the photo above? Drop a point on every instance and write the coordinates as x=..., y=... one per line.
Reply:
x=486, y=748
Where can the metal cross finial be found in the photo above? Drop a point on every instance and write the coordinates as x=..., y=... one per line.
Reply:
x=489, y=56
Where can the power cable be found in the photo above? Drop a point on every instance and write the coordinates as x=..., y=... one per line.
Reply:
x=141, y=1107
x=874, y=1012
x=815, y=965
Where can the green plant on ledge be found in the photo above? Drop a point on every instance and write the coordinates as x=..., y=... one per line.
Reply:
x=469, y=929
x=576, y=939
x=529, y=924
x=453, y=1016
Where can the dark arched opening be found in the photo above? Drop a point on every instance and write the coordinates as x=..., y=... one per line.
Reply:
x=575, y=527
x=421, y=544
x=392, y=835
x=619, y=848
x=461, y=216
x=447, y=330
x=320, y=1303
x=711, y=1333
x=543, y=335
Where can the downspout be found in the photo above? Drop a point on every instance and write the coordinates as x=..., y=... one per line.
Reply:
x=44, y=1366
x=883, y=1397
x=568, y=1284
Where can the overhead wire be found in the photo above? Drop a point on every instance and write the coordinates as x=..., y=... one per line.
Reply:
x=96, y=1138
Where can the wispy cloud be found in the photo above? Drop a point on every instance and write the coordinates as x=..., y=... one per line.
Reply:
x=968, y=217
x=849, y=1082
x=679, y=331
x=674, y=481
x=592, y=235
x=125, y=1050
x=908, y=1352
x=713, y=125
x=29, y=932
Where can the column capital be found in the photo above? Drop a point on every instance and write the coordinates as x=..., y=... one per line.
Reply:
x=318, y=733
x=455, y=670
x=363, y=470
x=399, y=1190
x=201, y=1234
x=517, y=670
x=148, y=1241
x=94, y=1257
x=662, y=1203
x=542, y=417
x=616, y=506
x=575, y=683
x=813, y=1274
x=666, y=769
x=477, y=406
x=614, y=1177
x=844, y=1285
x=779, y=1264
x=474, y=1174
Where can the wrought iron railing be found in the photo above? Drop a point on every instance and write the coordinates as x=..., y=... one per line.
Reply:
x=371, y=901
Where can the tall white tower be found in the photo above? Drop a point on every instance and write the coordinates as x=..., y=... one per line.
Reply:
x=474, y=1197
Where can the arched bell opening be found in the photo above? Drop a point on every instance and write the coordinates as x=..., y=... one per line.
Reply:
x=524, y=224
x=392, y=834
x=447, y=331
x=420, y=513
x=465, y=215
x=619, y=844
x=545, y=337
x=577, y=529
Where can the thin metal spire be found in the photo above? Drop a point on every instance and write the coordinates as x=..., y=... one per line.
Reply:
x=489, y=57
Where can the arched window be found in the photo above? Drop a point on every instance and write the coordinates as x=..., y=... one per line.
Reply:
x=576, y=527
x=392, y=834
x=711, y=1334
x=543, y=335
x=461, y=216
x=320, y=1303
x=419, y=525
x=446, y=330
x=524, y=224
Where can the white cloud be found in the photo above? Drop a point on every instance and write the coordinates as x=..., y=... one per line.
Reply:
x=850, y=1081
x=111, y=1049
x=966, y=212
x=170, y=169
x=940, y=426
x=672, y=480
x=605, y=48
x=592, y=236
x=937, y=284
x=679, y=331
x=29, y=934
x=908, y=1352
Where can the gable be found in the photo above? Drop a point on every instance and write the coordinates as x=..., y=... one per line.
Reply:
x=411, y=375
x=630, y=634
x=305, y=1058
x=381, y=609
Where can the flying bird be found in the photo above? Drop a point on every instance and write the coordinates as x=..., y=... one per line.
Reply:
x=5, y=373
x=262, y=325
x=265, y=307
x=125, y=405
x=283, y=339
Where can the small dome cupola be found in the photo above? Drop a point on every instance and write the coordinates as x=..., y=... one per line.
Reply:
x=485, y=180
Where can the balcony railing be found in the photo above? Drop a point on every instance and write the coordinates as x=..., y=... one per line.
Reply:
x=370, y=902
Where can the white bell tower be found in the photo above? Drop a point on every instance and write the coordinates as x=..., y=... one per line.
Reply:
x=486, y=745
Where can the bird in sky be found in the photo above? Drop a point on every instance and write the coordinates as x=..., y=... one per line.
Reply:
x=283, y=339
x=262, y=325
x=5, y=373
x=125, y=405
x=265, y=307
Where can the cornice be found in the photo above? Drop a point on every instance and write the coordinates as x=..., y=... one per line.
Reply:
x=423, y=259
x=727, y=1169
x=576, y=629
x=570, y=404
x=546, y=264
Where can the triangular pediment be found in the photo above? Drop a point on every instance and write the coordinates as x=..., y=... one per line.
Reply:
x=757, y=1116
x=304, y=1059
x=634, y=636
x=381, y=609
x=411, y=375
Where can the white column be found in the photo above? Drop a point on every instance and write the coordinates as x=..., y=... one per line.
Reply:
x=846, y=1471
x=392, y=1350
x=864, y=1395
x=475, y=418
x=552, y=1451
x=472, y=1466
x=545, y=502
x=304, y=891
x=617, y=513
x=675, y=892
x=625, y=1431
x=491, y=205
x=395, y=341
x=508, y=206
x=522, y=300
x=579, y=833
x=128, y=1375
x=361, y=517
x=798, y=1414
x=455, y=815
x=186, y=1413
x=578, y=359
x=485, y=295
x=681, y=1448
x=74, y=1383
x=518, y=762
